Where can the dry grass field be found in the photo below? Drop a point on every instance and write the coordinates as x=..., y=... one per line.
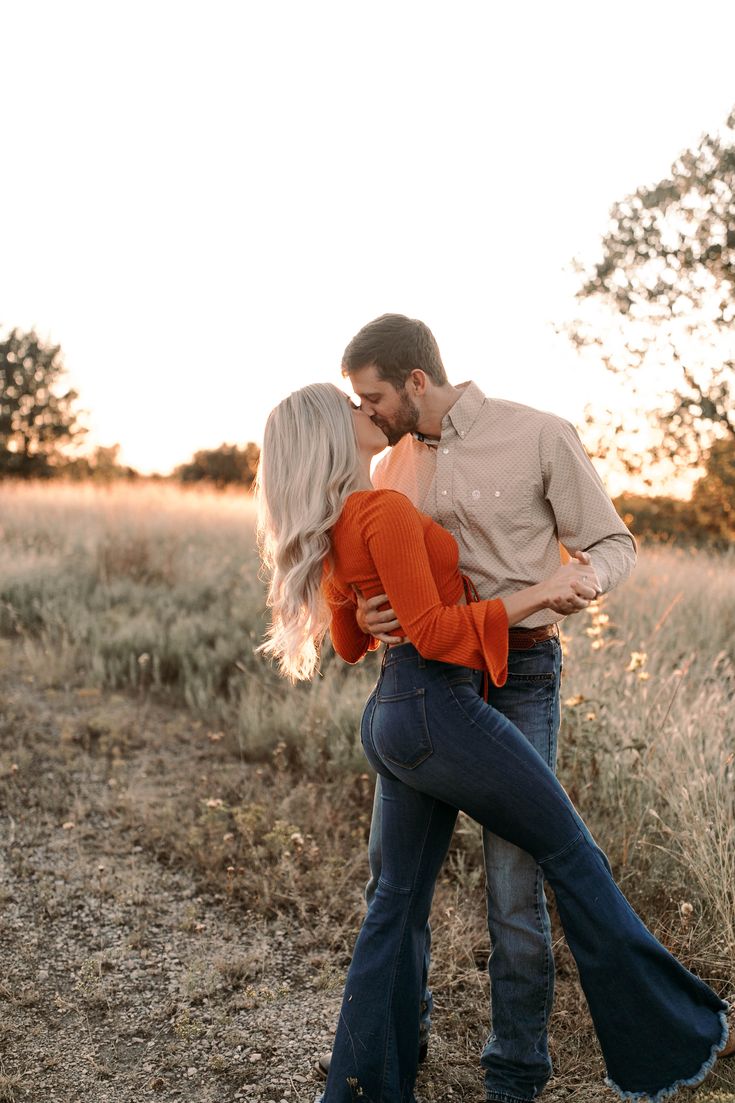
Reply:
x=184, y=834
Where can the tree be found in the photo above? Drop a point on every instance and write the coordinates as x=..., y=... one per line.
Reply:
x=661, y=301
x=714, y=495
x=36, y=418
x=222, y=466
x=101, y=465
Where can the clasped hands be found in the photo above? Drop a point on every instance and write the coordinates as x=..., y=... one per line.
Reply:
x=573, y=585
x=570, y=588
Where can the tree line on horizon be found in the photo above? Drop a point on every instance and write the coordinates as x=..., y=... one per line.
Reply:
x=661, y=293
x=41, y=429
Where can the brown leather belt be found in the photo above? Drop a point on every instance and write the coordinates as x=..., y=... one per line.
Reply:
x=521, y=639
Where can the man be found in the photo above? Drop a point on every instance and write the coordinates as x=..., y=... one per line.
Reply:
x=511, y=484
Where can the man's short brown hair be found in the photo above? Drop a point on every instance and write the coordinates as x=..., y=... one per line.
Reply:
x=396, y=345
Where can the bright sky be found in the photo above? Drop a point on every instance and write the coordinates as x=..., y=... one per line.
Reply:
x=202, y=202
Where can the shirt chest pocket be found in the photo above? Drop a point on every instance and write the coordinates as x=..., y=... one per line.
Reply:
x=494, y=505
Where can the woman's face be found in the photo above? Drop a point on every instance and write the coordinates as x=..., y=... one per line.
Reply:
x=370, y=438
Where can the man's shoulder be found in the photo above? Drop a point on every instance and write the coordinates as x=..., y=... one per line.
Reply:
x=504, y=408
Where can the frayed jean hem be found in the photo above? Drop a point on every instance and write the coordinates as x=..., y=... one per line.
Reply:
x=503, y=1097
x=690, y=1082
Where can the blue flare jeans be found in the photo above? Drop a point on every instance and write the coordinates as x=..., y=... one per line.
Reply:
x=439, y=747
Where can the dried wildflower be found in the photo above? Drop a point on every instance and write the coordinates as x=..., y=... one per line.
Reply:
x=637, y=660
x=686, y=910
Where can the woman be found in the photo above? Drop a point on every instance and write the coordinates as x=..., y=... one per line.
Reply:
x=440, y=747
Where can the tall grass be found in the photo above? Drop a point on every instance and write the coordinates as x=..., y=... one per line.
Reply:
x=155, y=590
x=648, y=740
x=152, y=588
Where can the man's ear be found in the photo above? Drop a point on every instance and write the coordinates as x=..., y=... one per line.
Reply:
x=416, y=382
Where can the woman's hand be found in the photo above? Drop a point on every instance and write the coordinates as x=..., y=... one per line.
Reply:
x=374, y=621
x=572, y=586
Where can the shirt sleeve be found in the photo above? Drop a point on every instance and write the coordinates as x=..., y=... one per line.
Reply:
x=586, y=519
x=348, y=640
x=474, y=635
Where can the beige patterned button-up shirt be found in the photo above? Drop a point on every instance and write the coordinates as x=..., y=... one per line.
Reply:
x=511, y=483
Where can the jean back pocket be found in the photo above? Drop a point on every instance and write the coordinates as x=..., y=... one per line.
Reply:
x=400, y=732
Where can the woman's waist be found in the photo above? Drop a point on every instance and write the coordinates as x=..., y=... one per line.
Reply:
x=406, y=653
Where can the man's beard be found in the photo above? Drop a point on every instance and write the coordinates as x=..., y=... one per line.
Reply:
x=405, y=420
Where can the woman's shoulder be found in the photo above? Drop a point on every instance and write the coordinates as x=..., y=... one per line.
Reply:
x=369, y=503
x=382, y=514
x=373, y=497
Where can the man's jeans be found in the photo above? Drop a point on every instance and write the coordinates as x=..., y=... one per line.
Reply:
x=521, y=966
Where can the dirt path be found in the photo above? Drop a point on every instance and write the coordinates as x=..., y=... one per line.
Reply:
x=122, y=979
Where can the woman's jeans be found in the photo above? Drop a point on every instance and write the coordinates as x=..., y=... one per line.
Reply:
x=515, y=1059
x=438, y=748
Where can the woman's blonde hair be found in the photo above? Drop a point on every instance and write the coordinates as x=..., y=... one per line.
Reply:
x=308, y=467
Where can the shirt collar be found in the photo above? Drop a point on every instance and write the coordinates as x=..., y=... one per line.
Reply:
x=463, y=414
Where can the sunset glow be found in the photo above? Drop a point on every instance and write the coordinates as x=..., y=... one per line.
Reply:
x=207, y=201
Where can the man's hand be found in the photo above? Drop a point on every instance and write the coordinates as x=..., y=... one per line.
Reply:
x=374, y=621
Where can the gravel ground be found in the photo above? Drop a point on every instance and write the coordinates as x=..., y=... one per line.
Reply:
x=121, y=979
x=122, y=982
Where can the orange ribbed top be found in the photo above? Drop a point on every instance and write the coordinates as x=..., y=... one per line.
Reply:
x=381, y=544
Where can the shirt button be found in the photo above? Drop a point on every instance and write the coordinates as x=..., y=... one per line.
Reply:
x=497, y=493
x=444, y=492
x=475, y=494
x=445, y=451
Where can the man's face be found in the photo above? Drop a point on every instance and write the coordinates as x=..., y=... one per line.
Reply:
x=392, y=411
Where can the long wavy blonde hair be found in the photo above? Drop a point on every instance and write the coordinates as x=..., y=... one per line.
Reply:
x=308, y=467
